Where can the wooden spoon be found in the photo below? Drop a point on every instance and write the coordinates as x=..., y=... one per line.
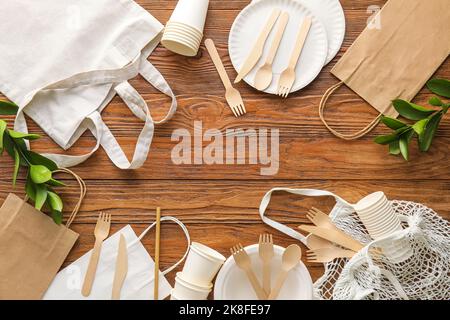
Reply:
x=291, y=257
x=264, y=75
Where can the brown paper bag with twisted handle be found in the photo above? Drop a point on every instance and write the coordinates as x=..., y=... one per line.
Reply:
x=32, y=248
x=396, y=59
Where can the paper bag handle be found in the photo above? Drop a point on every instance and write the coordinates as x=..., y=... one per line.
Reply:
x=348, y=137
x=83, y=190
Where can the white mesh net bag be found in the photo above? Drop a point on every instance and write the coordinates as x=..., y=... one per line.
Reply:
x=423, y=274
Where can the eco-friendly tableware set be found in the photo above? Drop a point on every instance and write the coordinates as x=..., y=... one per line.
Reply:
x=290, y=258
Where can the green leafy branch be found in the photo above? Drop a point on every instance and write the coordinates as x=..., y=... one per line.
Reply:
x=40, y=182
x=426, y=125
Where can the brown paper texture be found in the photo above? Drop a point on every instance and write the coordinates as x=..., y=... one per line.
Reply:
x=396, y=60
x=32, y=249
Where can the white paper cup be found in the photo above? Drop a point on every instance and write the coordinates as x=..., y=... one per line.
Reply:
x=202, y=264
x=371, y=201
x=191, y=12
x=183, y=40
x=181, y=26
x=179, y=47
x=185, y=290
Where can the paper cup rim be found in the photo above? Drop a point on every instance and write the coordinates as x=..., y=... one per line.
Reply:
x=176, y=46
x=172, y=32
x=182, y=39
x=379, y=212
x=372, y=199
x=381, y=215
x=191, y=285
x=208, y=252
x=170, y=26
x=172, y=22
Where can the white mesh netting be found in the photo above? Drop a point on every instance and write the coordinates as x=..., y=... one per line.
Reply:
x=425, y=274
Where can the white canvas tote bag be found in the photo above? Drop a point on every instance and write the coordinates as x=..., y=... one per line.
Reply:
x=62, y=61
x=138, y=284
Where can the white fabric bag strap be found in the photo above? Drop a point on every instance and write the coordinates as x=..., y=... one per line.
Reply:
x=304, y=192
x=186, y=233
x=140, y=109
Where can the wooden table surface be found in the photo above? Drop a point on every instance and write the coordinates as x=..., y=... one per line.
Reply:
x=219, y=203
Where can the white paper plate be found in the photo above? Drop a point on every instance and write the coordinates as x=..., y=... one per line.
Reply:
x=232, y=282
x=248, y=25
x=332, y=16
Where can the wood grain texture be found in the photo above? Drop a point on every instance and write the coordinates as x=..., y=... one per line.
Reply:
x=219, y=203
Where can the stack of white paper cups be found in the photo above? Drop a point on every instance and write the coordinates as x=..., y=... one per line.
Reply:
x=200, y=268
x=380, y=220
x=184, y=30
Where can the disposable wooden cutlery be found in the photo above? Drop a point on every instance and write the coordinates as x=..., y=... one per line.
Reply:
x=288, y=76
x=291, y=257
x=121, y=268
x=257, y=50
x=325, y=255
x=266, y=254
x=320, y=219
x=101, y=233
x=232, y=96
x=335, y=236
x=264, y=75
x=243, y=261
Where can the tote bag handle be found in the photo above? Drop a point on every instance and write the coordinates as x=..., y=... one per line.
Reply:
x=304, y=192
x=347, y=137
x=83, y=191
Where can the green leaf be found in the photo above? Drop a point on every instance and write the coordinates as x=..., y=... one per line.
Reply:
x=56, y=183
x=440, y=87
x=391, y=137
x=405, y=139
x=37, y=159
x=8, y=108
x=8, y=144
x=435, y=101
x=383, y=140
x=419, y=126
x=57, y=217
x=392, y=123
x=21, y=135
x=30, y=189
x=426, y=139
x=41, y=196
x=16, y=165
x=55, y=201
x=410, y=110
x=3, y=126
x=394, y=148
x=40, y=174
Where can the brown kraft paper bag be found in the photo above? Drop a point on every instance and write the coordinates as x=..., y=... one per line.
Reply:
x=396, y=59
x=32, y=247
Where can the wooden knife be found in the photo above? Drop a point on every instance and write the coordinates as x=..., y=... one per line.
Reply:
x=338, y=237
x=121, y=268
x=257, y=50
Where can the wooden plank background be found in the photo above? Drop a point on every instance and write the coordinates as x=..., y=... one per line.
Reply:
x=219, y=203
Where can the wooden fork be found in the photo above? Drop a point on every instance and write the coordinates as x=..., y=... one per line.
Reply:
x=232, y=96
x=243, y=261
x=325, y=255
x=288, y=76
x=320, y=218
x=101, y=233
x=266, y=254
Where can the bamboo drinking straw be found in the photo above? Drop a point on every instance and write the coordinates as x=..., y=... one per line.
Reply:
x=157, y=240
